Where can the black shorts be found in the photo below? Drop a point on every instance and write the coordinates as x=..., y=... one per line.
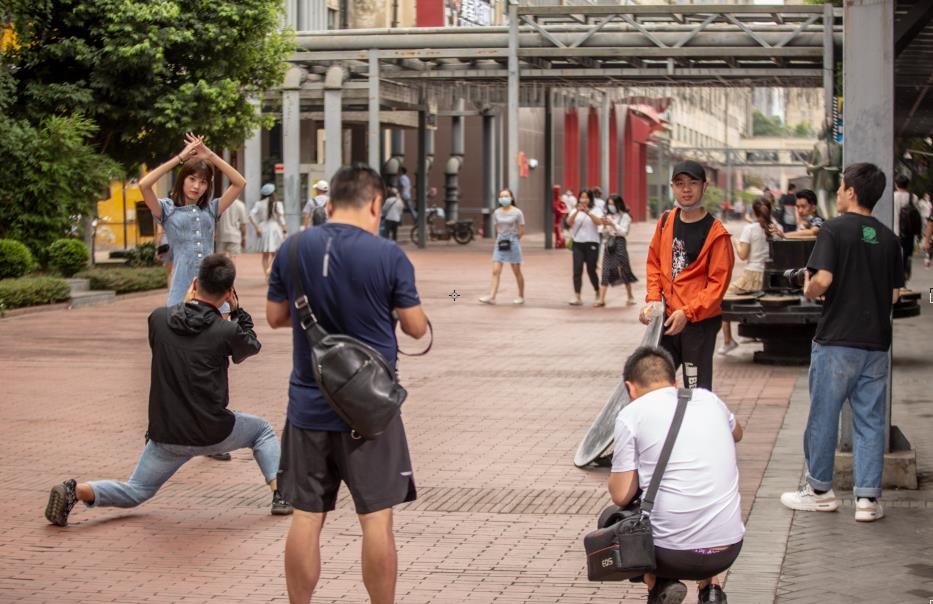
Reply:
x=377, y=472
x=693, y=348
x=694, y=564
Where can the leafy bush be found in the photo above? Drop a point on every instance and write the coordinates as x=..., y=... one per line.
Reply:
x=32, y=291
x=125, y=280
x=143, y=255
x=15, y=259
x=68, y=256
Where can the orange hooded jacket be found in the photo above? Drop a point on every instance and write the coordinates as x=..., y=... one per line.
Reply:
x=699, y=288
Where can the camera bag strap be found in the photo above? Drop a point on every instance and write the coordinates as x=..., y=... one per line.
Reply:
x=647, y=502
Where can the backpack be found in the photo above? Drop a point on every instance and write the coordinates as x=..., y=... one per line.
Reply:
x=909, y=220
x=318, y=216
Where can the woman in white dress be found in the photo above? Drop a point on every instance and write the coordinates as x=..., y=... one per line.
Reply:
x=268, y=218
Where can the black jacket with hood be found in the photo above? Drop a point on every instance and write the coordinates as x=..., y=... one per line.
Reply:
x=188, y=392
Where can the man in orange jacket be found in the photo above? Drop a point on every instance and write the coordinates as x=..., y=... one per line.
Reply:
x=690, y=263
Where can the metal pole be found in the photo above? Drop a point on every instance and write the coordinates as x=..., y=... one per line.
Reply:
x=549, y=170
x=125, y=243
x=454, y=163
x=374, y=146
x=828, y=64
x=867, y=112
x=252, y=170
x=489, y=172
x=422, y=176
x=291, y=147
x=604, y=146
x=333, y=121
x=513, y=98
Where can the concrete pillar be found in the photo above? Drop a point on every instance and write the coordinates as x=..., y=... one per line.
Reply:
x=513, y=100
x=374, y=146
x=867, y=112
x=291, y=147
x=333, y=120
x=489, y=172
x=252, y=171
x=422, y=177
x=828, y=64
x=452, y=169
x=604, y=146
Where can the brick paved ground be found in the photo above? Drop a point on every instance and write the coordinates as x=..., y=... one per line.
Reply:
x=494, y=415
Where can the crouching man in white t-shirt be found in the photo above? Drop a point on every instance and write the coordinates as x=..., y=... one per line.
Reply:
x=697, y=515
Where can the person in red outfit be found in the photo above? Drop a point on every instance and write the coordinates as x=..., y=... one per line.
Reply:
x=559, y=212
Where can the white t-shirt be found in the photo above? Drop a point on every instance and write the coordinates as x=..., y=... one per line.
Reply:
x=757, y=241
x=392, y=209
x=621, y=221
x=698, y=503
x=228, y=227
x=901, y=199
x=925, y=208
x=570, y=202
x=584, y=229
x=507, y=221
x=318, y=201
x=599, y=203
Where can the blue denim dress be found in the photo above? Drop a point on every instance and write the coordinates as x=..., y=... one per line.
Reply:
x=189, y=232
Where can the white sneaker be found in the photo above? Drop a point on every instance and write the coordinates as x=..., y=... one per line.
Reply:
x=867, y=510
x=518, y=301
x=487, y=300
x=805, y=500
x=728, y=347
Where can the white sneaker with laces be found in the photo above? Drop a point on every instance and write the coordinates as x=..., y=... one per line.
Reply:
x=806, y=500
x=518, y=301
x=867, y=510
x=487, y=300
x=727, y=348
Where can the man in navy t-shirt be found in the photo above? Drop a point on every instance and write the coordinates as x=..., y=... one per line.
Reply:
x=354, y=280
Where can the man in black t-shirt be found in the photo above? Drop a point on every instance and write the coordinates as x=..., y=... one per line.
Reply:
x=787, y=215
x=191, y=349
x=856, y=267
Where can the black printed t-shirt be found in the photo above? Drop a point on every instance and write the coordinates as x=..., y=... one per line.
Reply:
x=864, y=257
x=689, y=238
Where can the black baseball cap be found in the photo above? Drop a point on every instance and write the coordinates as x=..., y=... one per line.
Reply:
x=690, y=168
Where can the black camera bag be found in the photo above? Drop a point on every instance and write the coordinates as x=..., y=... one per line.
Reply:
x=504, y=245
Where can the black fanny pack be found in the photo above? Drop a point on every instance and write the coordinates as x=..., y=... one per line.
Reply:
x=504, y=245
x=622, y=547
x=354, y=377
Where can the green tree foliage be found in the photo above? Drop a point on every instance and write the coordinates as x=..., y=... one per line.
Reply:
x=48, y=173
x=764, y=125
x=145, y=72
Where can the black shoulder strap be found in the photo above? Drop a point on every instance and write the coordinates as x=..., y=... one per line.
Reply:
x=306, y=318
x=647, y=502
x=664, y=217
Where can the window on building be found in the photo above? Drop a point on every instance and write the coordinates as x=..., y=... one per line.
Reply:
x=332, y=18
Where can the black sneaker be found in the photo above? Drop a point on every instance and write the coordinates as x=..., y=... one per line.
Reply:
x=712, y=594
x=61, y=500
x=280, y=507
x=220, y=456
x=667, y=592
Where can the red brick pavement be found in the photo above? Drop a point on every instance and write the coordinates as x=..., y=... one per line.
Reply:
x=494, y=415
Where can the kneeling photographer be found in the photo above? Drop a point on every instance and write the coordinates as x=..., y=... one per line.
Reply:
x=856, y=265
x=696, y=518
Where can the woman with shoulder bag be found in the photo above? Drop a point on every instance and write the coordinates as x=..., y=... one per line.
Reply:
x=584, y=224
x=509, y=224
x=616, y=266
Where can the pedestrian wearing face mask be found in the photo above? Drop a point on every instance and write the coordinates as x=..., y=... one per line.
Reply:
x=616, y=266
x=510, y=228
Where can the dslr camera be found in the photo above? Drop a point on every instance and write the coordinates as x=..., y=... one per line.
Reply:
x=795, y=276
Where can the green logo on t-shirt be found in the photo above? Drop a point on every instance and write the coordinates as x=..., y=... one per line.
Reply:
x=869, y=235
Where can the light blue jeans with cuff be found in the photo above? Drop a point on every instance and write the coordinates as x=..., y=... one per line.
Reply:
x=160, y=461
x=838, y=373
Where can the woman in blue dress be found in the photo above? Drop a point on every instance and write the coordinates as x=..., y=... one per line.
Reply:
x=189, y=214
x=510, y=228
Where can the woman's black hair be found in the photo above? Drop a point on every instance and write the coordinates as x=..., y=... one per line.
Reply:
x=271, y=210
x=589, y=196
x=619, y=204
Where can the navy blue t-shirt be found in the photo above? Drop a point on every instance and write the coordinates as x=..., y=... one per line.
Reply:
x=367, y=278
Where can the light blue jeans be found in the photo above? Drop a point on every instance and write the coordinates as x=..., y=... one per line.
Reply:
x=838, y=373
x=159, y=461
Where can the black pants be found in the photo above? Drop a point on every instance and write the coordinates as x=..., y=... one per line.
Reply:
x=587, y=253
x=907, y=250
x=693, y=348
x=391, y=227
x=694, y=565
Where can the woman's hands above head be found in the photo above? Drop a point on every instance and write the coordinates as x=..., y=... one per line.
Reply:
x=195, y=148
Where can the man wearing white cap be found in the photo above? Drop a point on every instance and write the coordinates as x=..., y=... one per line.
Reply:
x=315, y=211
